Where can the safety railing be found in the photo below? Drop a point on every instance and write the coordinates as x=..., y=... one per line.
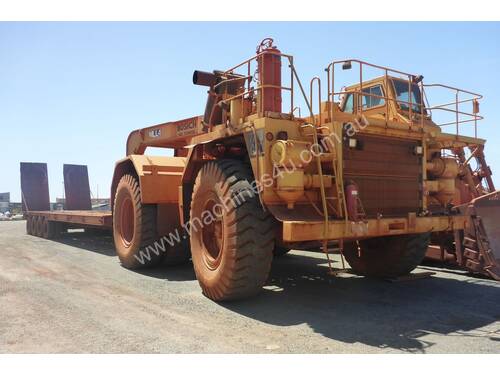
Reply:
x=453, y=107
x=417, y=106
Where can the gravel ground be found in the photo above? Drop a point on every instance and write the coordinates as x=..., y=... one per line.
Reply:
x=72, y=296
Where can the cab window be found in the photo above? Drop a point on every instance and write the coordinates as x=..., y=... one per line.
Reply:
x=402, y=88
x=373, y=97
x=349, y=104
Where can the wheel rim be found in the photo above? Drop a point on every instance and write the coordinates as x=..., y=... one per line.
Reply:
x=212, y=235
x=127, y=221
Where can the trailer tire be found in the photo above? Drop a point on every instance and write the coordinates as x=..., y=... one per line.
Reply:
x=53, y=229
x=387, y=257
x=134, y=226
x=232, y=253
x=37, y=226
x=34, y=226
x=29, y=225
x=44, y=227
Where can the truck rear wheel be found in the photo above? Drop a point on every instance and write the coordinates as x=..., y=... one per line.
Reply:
x=387, y=257
x=232, y=237
x=134, y=226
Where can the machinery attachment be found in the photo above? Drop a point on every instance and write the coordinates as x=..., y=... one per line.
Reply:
x=477, y=248
x=76, y=187
x=482, y=236
x=35, y=187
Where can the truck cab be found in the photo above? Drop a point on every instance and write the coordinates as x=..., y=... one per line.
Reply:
x=388, y=97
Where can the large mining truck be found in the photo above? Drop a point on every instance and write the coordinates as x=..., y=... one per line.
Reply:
x=366, y=170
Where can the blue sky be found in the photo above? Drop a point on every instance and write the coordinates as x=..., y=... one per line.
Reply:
x=71, y=92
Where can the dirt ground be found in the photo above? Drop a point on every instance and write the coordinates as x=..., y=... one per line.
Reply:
x=72, y=296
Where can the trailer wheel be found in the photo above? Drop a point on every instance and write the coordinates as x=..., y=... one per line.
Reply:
x=44, y=227
x=134, y=226
x=53, y=229
x=232, y=237
x=29, y=225
x=34, y=225
x=37, y=226
x=387, y=257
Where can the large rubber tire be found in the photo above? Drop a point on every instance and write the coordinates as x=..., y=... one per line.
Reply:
x=387, y=257
x=134, y=226
x=231, y=255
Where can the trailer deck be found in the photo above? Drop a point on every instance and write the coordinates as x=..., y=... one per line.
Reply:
x=77, y=213
x=84, y=218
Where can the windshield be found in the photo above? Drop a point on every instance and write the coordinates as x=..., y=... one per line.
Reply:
x=403, y=98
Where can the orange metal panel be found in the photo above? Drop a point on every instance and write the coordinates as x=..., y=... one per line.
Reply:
x=296, y=231
x=159, y=177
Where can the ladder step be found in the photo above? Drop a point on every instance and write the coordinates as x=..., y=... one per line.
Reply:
x=471, y=254
x=470, y=242
x=334, y=249
x=475, y=266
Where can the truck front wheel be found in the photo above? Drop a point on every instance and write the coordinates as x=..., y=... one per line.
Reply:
x=232, y=237
x=134, y=226
x=387, y=257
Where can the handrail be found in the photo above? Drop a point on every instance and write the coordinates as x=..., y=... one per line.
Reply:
x=316, y=79
x=426, y=111
x=479, y=96
x=335, y=62
x=260, y=87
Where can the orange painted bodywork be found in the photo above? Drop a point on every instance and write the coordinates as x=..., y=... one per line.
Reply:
x=159, y=177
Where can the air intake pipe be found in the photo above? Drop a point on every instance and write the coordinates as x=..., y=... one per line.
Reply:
x=204, y=78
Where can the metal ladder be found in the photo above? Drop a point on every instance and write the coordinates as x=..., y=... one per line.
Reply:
x=338, y=176
x=339, y=183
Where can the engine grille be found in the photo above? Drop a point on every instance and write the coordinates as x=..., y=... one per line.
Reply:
x=388, y=173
